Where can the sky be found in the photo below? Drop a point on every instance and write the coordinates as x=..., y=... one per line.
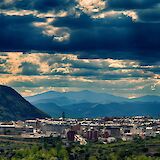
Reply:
x=109, y=46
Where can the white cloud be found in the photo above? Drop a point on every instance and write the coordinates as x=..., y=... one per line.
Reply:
x=23, y=12
x=129, y=13
x=59, y=34
x=91, y=6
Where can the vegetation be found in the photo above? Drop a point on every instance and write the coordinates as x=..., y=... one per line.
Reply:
x=55, y=149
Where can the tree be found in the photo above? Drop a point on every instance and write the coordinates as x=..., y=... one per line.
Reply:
x=92, y=158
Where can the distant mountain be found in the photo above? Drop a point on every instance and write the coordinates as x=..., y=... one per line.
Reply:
x=148, y=98
x=59, y=101
x=14, y=107
x=101, y=110
x=93, y=97
x=64, y=98
x=45, y=95
x=52, y=109
x=91, y=104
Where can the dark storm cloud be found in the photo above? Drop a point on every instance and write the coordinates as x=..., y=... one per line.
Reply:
x=132, y=4
x=39, y=5
x=18, y=34
x=82, y=65
x=117, y=36
x=150, y=15
x=130, y=41
x=111, y=74
x=43, y=5
x=84, y=21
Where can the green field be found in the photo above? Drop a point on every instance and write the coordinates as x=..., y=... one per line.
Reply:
x=54, y=149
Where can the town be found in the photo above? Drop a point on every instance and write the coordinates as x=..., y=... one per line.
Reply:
x=103, y=130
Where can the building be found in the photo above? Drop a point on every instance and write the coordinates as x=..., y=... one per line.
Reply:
x=71, y=135
x=114, y=132
x=149, y=132
x=92, y=135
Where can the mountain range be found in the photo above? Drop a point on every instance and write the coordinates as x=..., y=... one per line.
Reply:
x=91, y=104
x=14, y=107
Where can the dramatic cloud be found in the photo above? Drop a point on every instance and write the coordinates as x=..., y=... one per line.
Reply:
x=132, y=4
x=41, y=72
x=103, y=45
x=40, y=5
x=92, y=6
x=90, y=29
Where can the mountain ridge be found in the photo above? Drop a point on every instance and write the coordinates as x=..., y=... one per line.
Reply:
x=86, y=95
x=14, y=107
x=91, y=104
x=93, y=110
